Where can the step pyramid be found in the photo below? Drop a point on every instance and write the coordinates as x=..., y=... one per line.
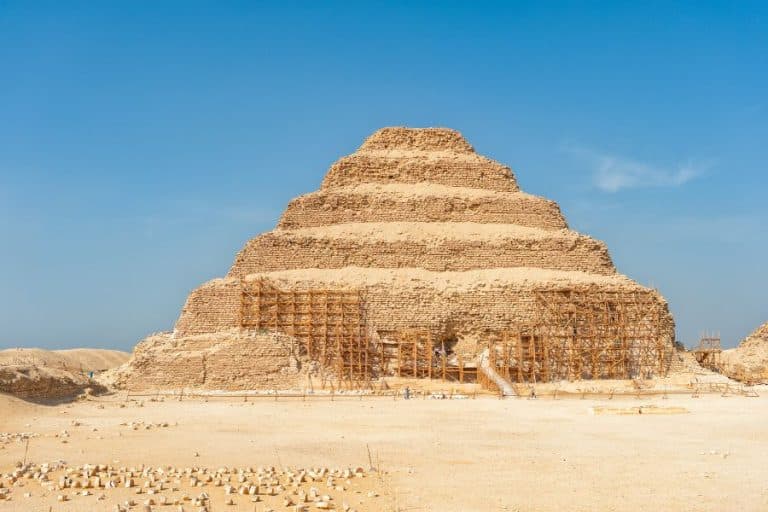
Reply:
x=432, y=234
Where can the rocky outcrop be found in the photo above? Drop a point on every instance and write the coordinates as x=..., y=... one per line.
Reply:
x=749, y=361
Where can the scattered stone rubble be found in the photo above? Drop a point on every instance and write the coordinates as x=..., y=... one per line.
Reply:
x=192, y=488
x=142, y=425
x=11, y=437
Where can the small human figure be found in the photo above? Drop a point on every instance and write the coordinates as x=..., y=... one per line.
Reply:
x=407, y=393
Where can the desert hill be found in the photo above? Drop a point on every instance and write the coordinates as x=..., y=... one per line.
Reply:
x=42, y=375
x=89, y=359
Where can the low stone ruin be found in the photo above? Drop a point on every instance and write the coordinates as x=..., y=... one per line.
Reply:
x=749, y=361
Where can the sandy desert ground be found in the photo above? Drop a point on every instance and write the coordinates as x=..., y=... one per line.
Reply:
x=439, y=455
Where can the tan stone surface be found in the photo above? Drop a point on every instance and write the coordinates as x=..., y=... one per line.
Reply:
x=431, y=246
x=749, y=361
x=426, y=202
x=234, y=359
x=214, y=306
x=434, y=155
x=402, y=138
x=464, y=303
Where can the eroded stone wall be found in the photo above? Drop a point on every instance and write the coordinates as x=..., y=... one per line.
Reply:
x=282, y=250
x=424, y=139
x=450, y=170
x=212, y=307
x=232, y=359
x=468, y=313
x=41, y=383
x=338, y=206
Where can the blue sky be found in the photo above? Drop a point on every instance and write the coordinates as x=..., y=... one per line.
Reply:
x=142, y=143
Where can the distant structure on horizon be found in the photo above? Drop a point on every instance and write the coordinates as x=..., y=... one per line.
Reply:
x=419, y=258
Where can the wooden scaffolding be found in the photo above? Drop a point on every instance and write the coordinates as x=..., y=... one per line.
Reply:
x=329, y=323
x=416, y=353
x=586, y=333
x=575, y=333
x=708, y=352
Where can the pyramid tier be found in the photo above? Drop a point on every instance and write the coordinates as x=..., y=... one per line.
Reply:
x=436, y=246
x=468, y=304
x=417, y=166
x=421, y=139
x=420, y=203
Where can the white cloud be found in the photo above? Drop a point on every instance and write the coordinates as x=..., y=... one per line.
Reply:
x=612, y=173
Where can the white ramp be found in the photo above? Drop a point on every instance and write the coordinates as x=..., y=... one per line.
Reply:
x=490, y=372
